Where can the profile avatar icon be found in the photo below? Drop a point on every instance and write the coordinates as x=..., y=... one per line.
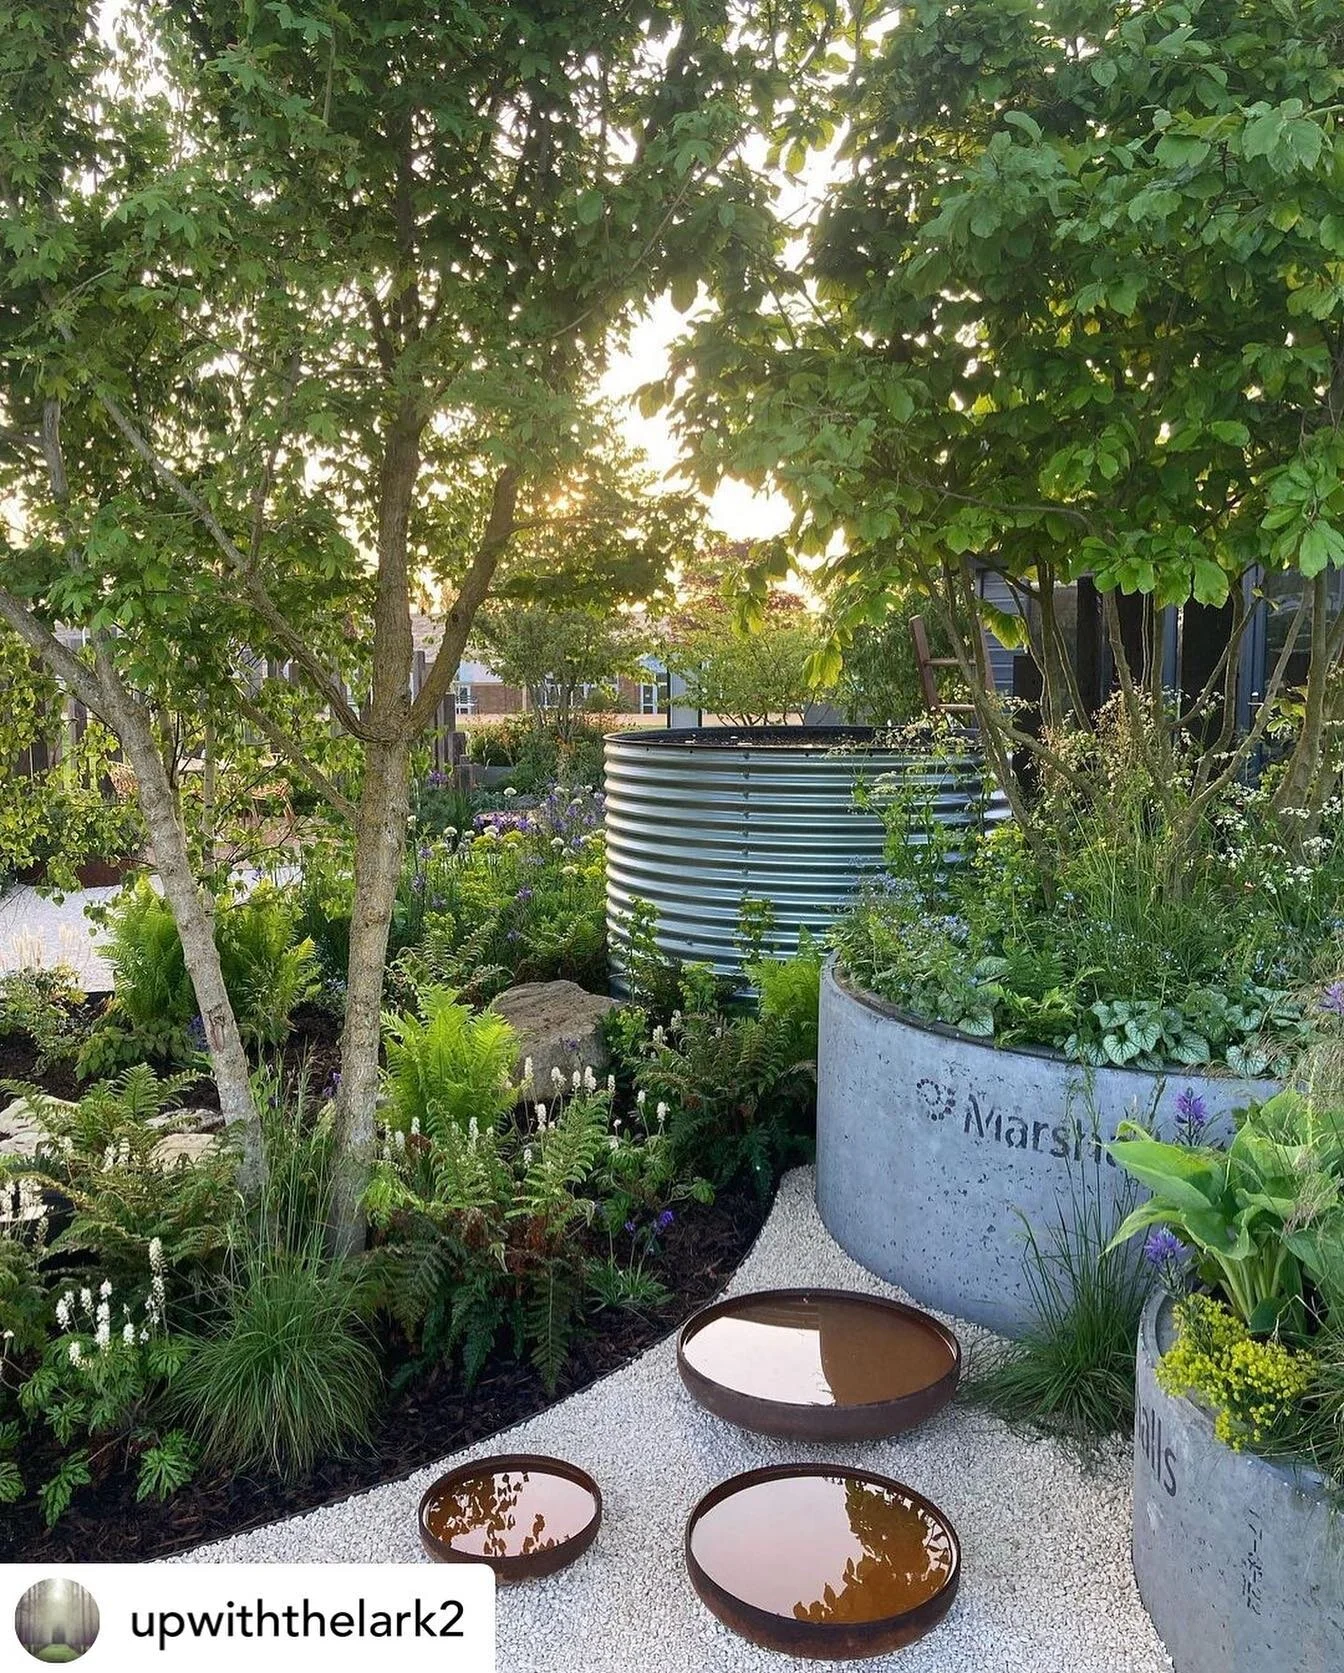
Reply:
x=56, y=1620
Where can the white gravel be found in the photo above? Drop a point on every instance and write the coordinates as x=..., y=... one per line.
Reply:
x=1046, y=1584
x=37, y=931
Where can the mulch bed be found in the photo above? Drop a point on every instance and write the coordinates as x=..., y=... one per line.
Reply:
x=312, y=1051
x=431, y=1418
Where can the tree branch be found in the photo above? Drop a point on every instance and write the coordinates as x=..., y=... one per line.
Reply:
x=284, y=745
x=72, y=670
x=326, y=685
x=471, y=595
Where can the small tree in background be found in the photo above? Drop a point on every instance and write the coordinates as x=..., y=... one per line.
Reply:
x=746, y=655
x=559, y=656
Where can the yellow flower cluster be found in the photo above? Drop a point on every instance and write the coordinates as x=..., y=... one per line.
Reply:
x=1251, y=1385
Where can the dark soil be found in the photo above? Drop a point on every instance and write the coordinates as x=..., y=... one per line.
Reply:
x=312, y=1049
x=434, y=1416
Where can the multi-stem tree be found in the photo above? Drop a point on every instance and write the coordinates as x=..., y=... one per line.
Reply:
x=1073, y=306
x=275, y=278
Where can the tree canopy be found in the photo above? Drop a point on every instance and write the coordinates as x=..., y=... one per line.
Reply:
x=1075, y=305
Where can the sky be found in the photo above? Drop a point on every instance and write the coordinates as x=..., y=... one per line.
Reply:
x=735, y=510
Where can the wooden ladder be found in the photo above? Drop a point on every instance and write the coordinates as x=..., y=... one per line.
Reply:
x=928, y=666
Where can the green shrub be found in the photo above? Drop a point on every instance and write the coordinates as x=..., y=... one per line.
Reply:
x=282, y=1370
x=789, y=993
x=285, y=1374
x=100, y=1160
x=500, y=1232
x=1120, y=933
x=1072, y=1372
x=450, y=1067
x=324, y=902
x=38, y=1004
x=737, y=1100
x=267, y=970
x=1264, y=1217
x=519, y=898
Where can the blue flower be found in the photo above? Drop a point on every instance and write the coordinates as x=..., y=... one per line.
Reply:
x=1192, y=1114
x=1332, y=1000
x=630, y=1227
x=665, y=1219
x=1162, y=1248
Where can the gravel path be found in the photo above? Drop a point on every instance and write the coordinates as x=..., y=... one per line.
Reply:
x=38, y=930
x=1046, y=1579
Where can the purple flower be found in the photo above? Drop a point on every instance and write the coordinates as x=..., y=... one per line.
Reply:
x=524, y=895
x=665, y=1219
x=630, y=1227
x=435, y=779
x=418, y=883
x=1192, y=1115
x=1332, y=1000
x=422, y=853
x=196, y=1034
x=1162, y=1248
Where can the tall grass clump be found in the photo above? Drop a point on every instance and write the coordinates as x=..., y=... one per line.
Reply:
x=286, y=1373
x=1072, y=1373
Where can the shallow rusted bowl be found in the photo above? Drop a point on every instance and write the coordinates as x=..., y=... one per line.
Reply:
x=862, y=1367
x=815, y=1627
x=515, y=1565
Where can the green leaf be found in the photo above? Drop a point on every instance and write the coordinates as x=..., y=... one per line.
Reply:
x=1174, y=1173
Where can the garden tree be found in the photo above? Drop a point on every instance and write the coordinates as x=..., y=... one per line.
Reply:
x=1074, y=306
x=743, y=652
x=554, y=653
x=273, y=278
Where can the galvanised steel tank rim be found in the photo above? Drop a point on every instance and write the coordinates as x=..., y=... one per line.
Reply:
x=699, y=818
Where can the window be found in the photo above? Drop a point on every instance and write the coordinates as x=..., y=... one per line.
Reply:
x=648, y=698
x=464, y=699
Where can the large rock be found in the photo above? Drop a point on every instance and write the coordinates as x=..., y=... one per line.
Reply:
x=559, y=1026
x=22, y=1127
x=177, y=1150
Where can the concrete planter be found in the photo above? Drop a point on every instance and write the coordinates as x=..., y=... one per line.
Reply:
x=1239, y=1562
x=932, y=1147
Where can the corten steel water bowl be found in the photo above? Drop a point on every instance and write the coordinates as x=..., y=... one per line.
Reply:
x=819, y=1365
x=524, y=1514
x=822, y=1561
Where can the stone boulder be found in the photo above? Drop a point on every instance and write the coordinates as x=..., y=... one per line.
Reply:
x=559, y=1026
x=22, y=1127
x=176, y=1150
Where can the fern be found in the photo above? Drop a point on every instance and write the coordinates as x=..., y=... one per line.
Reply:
x=452, y=1066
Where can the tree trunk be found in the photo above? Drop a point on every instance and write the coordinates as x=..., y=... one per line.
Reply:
x=380, y=830
x=194, y=914
x=384, y=807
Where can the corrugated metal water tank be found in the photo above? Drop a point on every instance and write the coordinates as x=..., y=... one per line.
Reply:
x=699, y=818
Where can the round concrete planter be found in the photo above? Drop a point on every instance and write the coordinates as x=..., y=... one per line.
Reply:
x=933, y=1147
x=1240, y=1562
